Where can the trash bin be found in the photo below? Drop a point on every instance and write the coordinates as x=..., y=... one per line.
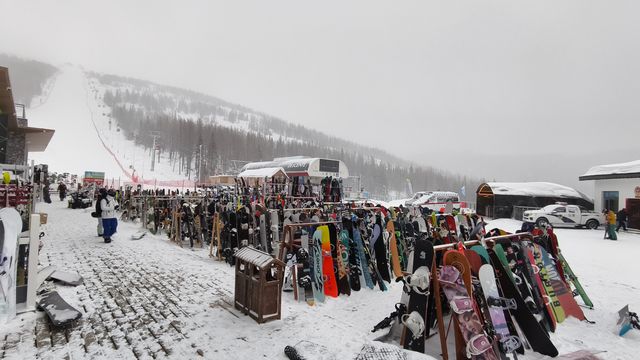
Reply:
x=258, y=288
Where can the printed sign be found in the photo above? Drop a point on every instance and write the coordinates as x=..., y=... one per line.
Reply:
x=94, y=177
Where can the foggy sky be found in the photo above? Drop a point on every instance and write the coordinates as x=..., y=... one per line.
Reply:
x=452, y=84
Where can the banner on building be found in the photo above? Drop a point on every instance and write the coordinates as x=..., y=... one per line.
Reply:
x=93, y=177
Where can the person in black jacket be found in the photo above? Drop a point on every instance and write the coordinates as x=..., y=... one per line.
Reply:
x=102, y=194
x=62, y=191
x=622, y=219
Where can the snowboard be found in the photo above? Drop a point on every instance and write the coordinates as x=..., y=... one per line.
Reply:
x=565, y=296
x=288, y=282
x=475, y=261
x=528, y=290
x=263, y=233
x=535, y=258
x=328, y=270
x=478, y=345
x=627, y=321
x=59, y=311
x=340, y=261
x=380, y=251
x=275, y=231
x=418, y=291
x=451, y=224
x=482, y=252
x=401, y=243
x=508, y=343
x=315, y=265
x=306, y=269
x=376, y=277
x=535, y=334
x=351, y=257
x=573, y=279
x=393, y=247
x=365, y=272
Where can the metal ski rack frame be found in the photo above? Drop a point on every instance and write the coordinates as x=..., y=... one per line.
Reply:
x=215, y=237
x=460, y=350
x=288, y=234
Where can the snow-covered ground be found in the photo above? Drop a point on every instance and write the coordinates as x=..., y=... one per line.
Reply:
x=609, y=271
x=186, y=298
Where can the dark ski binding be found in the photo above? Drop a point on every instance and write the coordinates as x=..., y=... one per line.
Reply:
x=504, y=303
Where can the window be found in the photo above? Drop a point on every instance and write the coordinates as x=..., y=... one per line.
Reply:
x=560, y=209
x=572, y=210
x=610, y=200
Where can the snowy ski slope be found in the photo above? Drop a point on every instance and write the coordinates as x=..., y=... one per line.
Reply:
x=85, y=140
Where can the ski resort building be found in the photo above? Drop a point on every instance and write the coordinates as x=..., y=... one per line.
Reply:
x=509, y=200
x=617, y=186
x=314, y=168
x=305, y=175
x=17, y=139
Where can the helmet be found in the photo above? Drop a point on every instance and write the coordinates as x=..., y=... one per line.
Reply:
x=111, y=192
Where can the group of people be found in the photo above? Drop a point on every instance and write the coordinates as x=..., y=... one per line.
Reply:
x=106, y=207
x=613, y=219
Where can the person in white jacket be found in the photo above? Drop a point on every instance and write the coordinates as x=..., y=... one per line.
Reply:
x=109, y=205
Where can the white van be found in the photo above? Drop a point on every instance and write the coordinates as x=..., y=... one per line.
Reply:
x=434, y=200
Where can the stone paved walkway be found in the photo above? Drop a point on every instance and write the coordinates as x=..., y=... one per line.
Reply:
x=135, y=298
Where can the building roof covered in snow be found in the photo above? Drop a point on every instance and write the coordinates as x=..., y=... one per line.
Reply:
x=626, y=170
x=267, y=172
x=304, y=166
x=531, y=189
x=502, y=199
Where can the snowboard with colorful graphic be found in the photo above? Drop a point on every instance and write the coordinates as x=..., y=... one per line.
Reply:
x=328, y=270
x=477, y=343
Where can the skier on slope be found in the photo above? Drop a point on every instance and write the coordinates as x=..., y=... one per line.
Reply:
x=109, y=205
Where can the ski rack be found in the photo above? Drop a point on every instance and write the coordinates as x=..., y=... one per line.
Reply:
x=288, y=234
x=460, y=347
x=215, y=237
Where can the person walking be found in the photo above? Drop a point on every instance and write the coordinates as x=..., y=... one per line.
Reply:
x=102, y=194
x=109, y=206
x=46, y=195
x=611, y=223
x=62, y=190
x=622, y=219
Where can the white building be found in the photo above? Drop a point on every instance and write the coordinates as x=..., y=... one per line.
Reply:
x=617, y=186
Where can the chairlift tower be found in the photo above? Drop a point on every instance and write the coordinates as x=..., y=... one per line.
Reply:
x=155, y=135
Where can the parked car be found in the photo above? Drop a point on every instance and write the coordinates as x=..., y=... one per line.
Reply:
x=435, y=200
x=563, y=215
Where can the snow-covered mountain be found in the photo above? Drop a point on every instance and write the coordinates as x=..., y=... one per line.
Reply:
x=86, y=138
x=108, y=123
